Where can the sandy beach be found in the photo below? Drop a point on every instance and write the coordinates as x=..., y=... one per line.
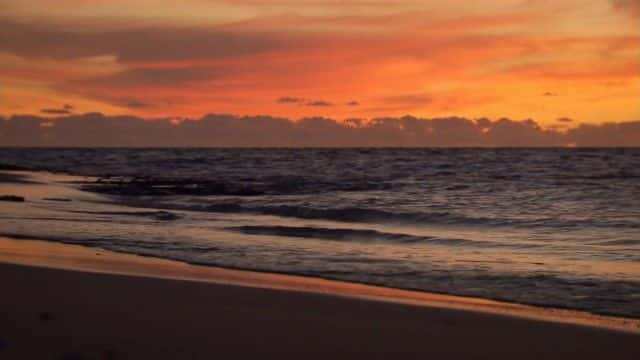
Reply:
x=83, y=303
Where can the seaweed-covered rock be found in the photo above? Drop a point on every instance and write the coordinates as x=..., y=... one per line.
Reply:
x=13, y=198
x=10, y=167
x=57, y=199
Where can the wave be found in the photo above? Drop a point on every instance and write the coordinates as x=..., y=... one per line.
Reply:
x=275, y=185
x=345, y=214
x=157, y=215
x=619, y=242
x=128, y=246
x=363, y=235
x=372, y=215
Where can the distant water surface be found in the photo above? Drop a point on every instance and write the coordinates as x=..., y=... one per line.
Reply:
x=552, y=227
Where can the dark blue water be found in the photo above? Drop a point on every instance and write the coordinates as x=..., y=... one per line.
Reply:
x=554, y=227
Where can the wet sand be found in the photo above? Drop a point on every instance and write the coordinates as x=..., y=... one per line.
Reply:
x=71, y=302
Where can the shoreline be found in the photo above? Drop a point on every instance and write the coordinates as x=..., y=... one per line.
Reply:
x=72, y=302
x=76, y=258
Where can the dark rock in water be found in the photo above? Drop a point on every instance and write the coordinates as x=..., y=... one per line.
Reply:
x=57, y=199
x=6, y=177
x=10, y=167
x=165, y=216
x=45, y=316
x=13, y=198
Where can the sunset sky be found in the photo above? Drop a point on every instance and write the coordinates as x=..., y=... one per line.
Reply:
x=558, y=62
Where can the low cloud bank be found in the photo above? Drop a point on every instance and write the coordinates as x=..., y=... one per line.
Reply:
x=96, y=129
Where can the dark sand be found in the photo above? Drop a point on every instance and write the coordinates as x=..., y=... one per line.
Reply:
x=48, y=313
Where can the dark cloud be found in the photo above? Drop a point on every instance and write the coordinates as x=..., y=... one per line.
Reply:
x=290, y=100
x=353, y=103
x=319, y=103
x=609, y=134
x=564, y=120
x=139, y=80
x=141, y=77
x=548, y=93
x=151, y=43
x=354, y=122
x=68, y=107
x=303, y=101
x=65, y=110
x=557, y=127
x=231, y=131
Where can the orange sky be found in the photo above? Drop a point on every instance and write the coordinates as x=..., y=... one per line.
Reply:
x=539, y=59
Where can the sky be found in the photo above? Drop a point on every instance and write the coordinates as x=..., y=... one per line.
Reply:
x=562, y=63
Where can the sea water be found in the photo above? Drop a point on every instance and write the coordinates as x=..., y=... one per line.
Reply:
x=550, y=227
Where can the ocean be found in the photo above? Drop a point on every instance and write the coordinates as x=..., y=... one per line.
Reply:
x=548, y=227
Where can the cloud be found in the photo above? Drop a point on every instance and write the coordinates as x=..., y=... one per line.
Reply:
x=163, y=77
x=564, y=120
x=353, y=103
x=290, y=100
x=608, y=134
x=150, y=85
x=303, y=101
x=135, y=104
x=140, y=44
x=65, y=110
x=319, y=103
x=548, y=93
x=96, y=129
